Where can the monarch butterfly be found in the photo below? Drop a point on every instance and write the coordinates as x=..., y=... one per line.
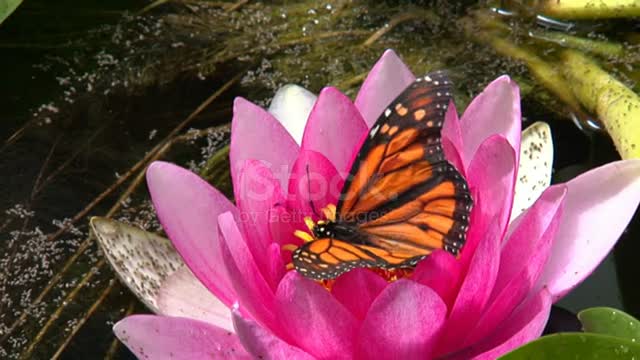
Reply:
x=401, y=200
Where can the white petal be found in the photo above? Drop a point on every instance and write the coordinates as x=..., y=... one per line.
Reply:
x=534, y=171
x=183, y=295
x=156, y=274
x=291, y=105
x=142, y=260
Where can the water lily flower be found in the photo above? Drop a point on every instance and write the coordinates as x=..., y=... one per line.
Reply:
x=495, y=297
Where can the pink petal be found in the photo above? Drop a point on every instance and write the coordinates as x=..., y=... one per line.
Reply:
x=283, y=221
x=262, y=344
x=524, y=325
x=474, y=292
x=257, y=192
x=452, y=143
x=386, y=80
x=441, y=272
x=532, y=228
x=314, y=319
x=314, y=184
x=159, y=337
x=403, y=323
x=368, y=285
x=335, y=128
x=495, y=111
x=253, y=292
x=598, y=207
x=183, y=295
x=256, y=134
x=521, y=261
x=492, y=175
x=188, y=208
x=275, y=263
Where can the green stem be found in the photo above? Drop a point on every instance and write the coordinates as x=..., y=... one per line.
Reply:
x=546, y=73
x=590, y=9
x=598, y=47
x=7, y=7
x=617, y=106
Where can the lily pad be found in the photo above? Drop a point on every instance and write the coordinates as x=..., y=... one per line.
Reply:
x=604, y=320
x=584, y=346
x=534, y=171
x=7, y=7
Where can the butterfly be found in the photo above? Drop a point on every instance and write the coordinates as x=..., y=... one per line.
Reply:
x=402, y=199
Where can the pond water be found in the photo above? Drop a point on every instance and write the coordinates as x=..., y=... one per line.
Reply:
x=90, y=88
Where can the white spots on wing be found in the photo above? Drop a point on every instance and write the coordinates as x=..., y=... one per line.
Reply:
x=536, y=163
x=427, y=78
x=374, y=130
x=387, y=112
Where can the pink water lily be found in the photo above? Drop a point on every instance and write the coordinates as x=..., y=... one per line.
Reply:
x=495, y=297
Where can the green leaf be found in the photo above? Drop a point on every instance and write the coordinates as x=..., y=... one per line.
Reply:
x=584, y=346
x=7, y=7
x=604, y=320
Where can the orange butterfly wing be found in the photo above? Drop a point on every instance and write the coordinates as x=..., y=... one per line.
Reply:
x=402, y=190
x=327, y=258
x=402, y=195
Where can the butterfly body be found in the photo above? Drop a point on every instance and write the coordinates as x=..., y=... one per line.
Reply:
x=338, y=230
x=401, y=201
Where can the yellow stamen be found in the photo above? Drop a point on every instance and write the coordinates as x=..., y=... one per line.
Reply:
x=330, y=212
x=305, y=236
x=289, y=247
x=309, y=222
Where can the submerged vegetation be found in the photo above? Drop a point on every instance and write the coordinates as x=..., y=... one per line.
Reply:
x=158, y=82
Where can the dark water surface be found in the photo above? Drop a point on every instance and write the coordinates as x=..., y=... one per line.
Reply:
x=87, y=89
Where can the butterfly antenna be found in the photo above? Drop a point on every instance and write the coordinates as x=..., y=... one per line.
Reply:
x=313, y=207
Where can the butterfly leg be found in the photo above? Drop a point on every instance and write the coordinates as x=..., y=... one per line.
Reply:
x=305, y=236
x=329, y=213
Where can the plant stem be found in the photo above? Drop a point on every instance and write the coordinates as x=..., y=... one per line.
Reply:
x=597, y=47
x=617, y=106
x=590, y=9
x=546, y=73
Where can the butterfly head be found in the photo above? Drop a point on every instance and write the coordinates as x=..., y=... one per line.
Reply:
x=323, y=229
x=317, y=229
